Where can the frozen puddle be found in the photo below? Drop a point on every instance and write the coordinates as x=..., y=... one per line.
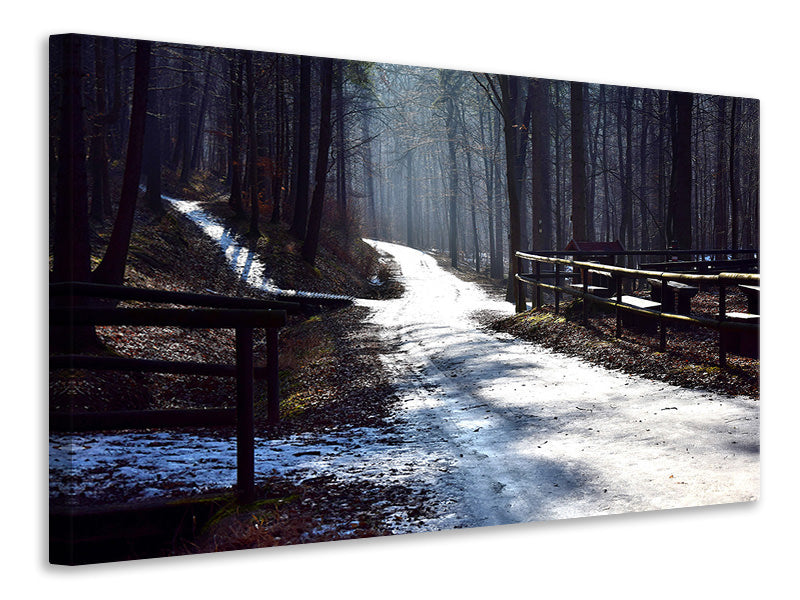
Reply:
x=134, y=466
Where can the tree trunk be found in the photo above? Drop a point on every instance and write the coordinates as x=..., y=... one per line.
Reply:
x=99, y=153
x=323, y=148
x=368, y=177
x=540, y=213
x=452, y=170
x=277, y=166
x=302, y=156
x=578, y=162
x=252, y=149
x=152, y=161
x=509, y=110
x=643, y=155
x=183, y=147
x=680, y=200
x=235, y=201
x=198, y=138
x=341, y=173
x=409, y=200
x=626, y=222
x=734, y=182
x=111, y=269
x=71, y=248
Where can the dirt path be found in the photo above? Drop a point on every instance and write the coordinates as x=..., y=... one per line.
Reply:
x=526, y=434
x=490, y=430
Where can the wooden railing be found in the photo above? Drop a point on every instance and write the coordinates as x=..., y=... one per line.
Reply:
x=582, y=269
x=70, y=307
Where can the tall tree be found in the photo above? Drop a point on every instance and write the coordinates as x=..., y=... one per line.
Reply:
x=449, y=95
x=409, y=199
x=98, y=151
x=302, y=155
x=252, y=148
x=235, y=169
x=112, y=268
x=540, y=159
x=734, y=179
x=626, y=222
x=578, y=162
x=720, y=237
x=71, y=250
x=152, y=158
x=311, y=242
x=279, y=151
x=341, y=145
x=71, y=227
x=509, y=109
x=679, y=223
x=201, y=117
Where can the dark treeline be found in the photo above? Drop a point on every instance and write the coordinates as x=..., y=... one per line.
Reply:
x=646, y=167
x=477, y=165
x=283, y=134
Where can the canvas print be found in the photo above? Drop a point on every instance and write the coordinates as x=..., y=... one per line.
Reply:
x=298, y=299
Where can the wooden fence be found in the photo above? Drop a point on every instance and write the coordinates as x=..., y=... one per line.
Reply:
x=581, y=270
x=70, y=307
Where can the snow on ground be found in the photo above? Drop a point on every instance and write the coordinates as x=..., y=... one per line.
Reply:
x=500, y=430
x=539, y=435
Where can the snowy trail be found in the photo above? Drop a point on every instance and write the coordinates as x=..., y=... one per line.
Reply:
x=537, y=435
x=500, y=431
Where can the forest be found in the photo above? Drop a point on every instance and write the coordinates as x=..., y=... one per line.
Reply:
x=476, y=165
x=368, y=221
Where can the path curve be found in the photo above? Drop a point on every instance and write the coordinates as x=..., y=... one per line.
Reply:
x=530, y=434
x=491, y=430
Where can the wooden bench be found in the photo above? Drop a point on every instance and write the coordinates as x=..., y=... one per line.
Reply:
x=743, y=343
x=638, y=320
x=684, y=292
x=753, y=292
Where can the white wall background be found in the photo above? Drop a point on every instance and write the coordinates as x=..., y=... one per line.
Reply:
x=734, y=48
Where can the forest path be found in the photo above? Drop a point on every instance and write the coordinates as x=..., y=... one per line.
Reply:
x=523, y=433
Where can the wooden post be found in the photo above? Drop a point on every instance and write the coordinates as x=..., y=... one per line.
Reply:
x=538, y=288
x=557, y=284
x=618, y=314
x=521, y=301
x=585, y=300
x=723, y=358
x=273, y=383
x=662, y=323
x=245, y=430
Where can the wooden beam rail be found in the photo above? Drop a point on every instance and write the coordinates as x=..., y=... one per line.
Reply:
x=752, y=278
x=119, y=292
x=617, y=275
x=203, y=318
x=676, y=252
x=242, y=320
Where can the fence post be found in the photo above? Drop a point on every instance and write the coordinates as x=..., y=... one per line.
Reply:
x=723, y=358
x=273, y=382
x=618, y=314
x=557, y=280
x=585, y=291
x=538, y=287
x=245, y=430
x=662, y=323
x=521, y=301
